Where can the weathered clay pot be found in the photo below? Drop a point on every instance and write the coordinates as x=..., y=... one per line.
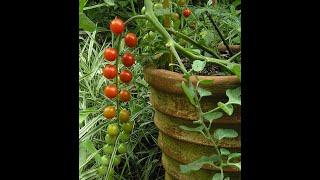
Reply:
x=234, y=48
x=173, y=109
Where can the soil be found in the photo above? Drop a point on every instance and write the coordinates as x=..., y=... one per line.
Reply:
x=209, y=70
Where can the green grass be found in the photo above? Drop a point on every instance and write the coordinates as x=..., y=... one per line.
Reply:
x=143, y=160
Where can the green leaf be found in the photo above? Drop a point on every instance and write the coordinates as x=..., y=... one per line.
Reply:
x=233, y=155
x=198, y=65
x=238, y=165
x=224, y=151
x=227, y=108
x=85, y=23
x=234, y=95
x=189, y=93
x=196, y=129
x=87, y=148
x=212, y=115
x=109, y=2
x=203, y=92
x=236, y=3
x=217, y=176
x=206, y=82
x=225, y=133
x=235, y=68
x=85, y=113
x=197, y=164
x=82, y=3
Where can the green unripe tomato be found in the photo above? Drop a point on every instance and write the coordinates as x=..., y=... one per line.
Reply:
x=113, y=129
x=102, y=170
x=122, y=148
x=124, y=137
x=110, y=139
x=111, y=174
x=105, y=160
x=175, y=16
x=116, y=160
x=108, y=149
x=127, y=127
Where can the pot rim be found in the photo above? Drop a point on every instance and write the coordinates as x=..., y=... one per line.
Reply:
x=167, y=81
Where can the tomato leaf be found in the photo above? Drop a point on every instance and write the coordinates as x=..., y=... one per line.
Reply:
x=225, y=133
x=189, y=93
x=217, y=176
x=233, y=155
x=224, y=151
x=198, y=65
x=238, y=165
x=227, y=108
x=197, y=164
x=85, y=23
x=235, y=68
x=234, y=95
x=203, y=92
x=212, y=115
x=196, y=129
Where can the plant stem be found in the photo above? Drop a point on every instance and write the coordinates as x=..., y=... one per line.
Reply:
x=166, y=24
x=220, y=34
x=94, y=6
x=233, y=57
x=183, y=36
x=135, y=17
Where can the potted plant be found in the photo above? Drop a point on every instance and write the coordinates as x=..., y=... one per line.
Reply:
x=198, y=115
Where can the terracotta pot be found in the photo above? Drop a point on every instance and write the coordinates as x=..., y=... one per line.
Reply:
x=173, y=109
x=234, y=48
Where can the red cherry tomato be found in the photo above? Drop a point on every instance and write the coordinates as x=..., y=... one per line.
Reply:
x=110, y=71
x=111, y=91
x=128, y=59
x=110, y=54
x=124, y=95
x=125, y=76
x=131, y=40
x=117, y=26
x=186, y=12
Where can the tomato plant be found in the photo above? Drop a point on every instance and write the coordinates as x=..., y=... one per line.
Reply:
x=117, y=160
x=186, y=12
x=125, y=76
x=117, y=26
x=124, y=115
x=110, y=71
x=122, y=148
x=108, y=148
x=111, y=91
x=105, y=160
x=113, y=129
x=124, y=137
x=127, y=127
x=102, y=170
x=109, y=112
x=110, y=54
x=110, y=139
x=124, y=95
x=131, y=40
x=128, y=59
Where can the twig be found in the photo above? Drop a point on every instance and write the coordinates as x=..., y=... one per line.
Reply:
x=217, y=29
